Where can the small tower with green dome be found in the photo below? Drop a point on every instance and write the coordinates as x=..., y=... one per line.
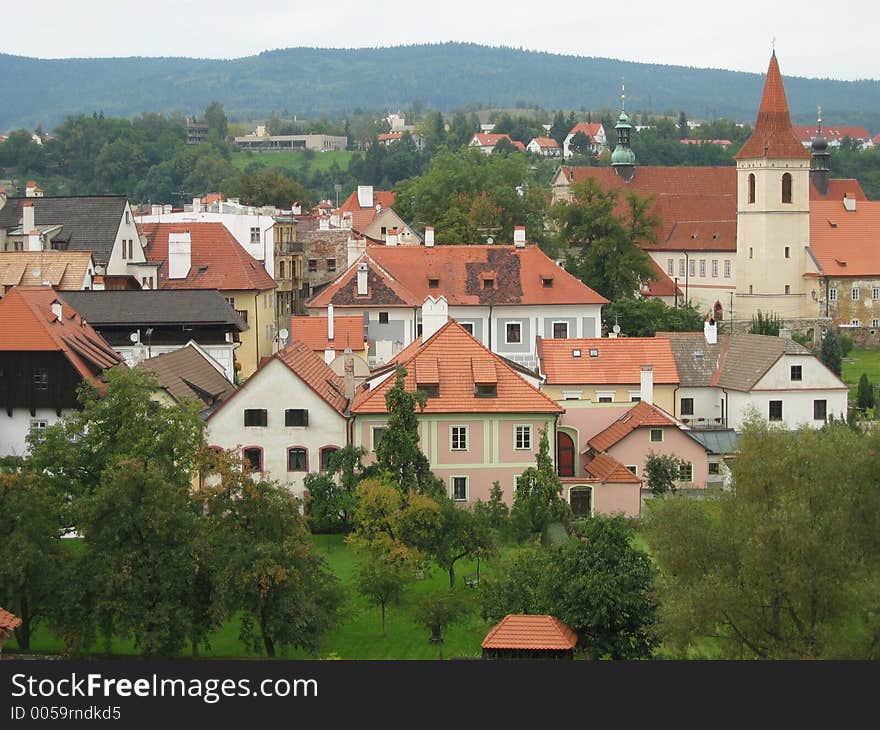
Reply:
x=623, y=159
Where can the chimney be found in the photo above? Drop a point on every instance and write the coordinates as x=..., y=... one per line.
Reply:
x=155, y=209
x=710, y=330
x=391, y=238
x=324, y=223
x=27, y=217
x=355, y=248
x=362, y=279
x=365, y=196
x=330, y=322
x=348, y=378
x=435, y=313
x=197, y=205
x=849, y=204
x=519, y=236
x=166, y=209
x=56, y=309
x=429, y=236
x=329, y=355
x=296, y=209
x=30, y=190
x=646, y=383
x=334, y=220
x=179, y=255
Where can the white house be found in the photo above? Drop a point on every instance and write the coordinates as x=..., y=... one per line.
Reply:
x=504, y=295
x=288, y=417
x=544, y=146
x=724, y=379
x=595, y=133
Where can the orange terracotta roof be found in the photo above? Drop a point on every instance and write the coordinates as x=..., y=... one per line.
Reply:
x=362, y=217
x=546, y=142
x=519, y=145
x=805, y=133
x=619, y=360
x=490, y=140
x=589, y=129
x=773, y=136
x=400, y=275
x=662, y=286
x=606, y=468
x=218, y=260
x=839, y=189
x=519, y=631
x=845, y=243
x=640, y=415
x=29, y=324
x=388, y=136
x=447, y=350
x=312, y=370
x=9, y=622
x=312, y=331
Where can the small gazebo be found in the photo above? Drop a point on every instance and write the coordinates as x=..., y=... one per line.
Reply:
x=9, y=622
x=521, y=636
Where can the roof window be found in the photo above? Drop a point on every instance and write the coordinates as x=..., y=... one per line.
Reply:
x=594, y=352
x=576, y=353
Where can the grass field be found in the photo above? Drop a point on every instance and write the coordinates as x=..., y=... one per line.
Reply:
x=858, y=362
x=292, y=161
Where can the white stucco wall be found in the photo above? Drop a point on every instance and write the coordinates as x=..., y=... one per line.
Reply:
x=13, y=431
x=118, y=266
x=276, y=389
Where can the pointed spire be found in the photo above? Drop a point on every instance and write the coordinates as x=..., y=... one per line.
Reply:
x=773, y=137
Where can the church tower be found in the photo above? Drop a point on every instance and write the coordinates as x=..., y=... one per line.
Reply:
x=623, y=159
x=773, y=210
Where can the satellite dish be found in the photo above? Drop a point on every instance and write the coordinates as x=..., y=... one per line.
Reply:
x=490, y=240
x=283, y=333
x=133, y=337
x=616, y=329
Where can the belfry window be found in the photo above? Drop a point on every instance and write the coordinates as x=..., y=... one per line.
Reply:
x=752, y=187
x=786, y=187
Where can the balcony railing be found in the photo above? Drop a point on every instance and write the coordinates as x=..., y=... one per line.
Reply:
x=704, y=423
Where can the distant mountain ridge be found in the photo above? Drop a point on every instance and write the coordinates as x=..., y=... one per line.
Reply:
x=313, y=81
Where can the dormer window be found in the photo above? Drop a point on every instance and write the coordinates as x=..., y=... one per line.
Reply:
x=431, y=390
x=547, y=283
x=594, y=352
x=433, y=283
x=486, y=390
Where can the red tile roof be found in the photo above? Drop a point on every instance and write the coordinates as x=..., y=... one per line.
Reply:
x=548, y=142
x=312, y=331
x=400, y=275
x=461, y=361
x=362, y=217
x=589, y=129
x=490, y=140
x=805, y=133
x=839, y=189
x=9, y=622
x=845, y=243
x=519, y=145
x=388, y=136
x=639, y=416
x=518, y=631
x=28, y=324
x=773, y=136
x=605, y=468
x=218, y=260
x=662, y=286
x=619, y=360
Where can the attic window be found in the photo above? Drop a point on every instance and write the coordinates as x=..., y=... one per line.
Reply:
x=433, y=283
x=488, y=283
x=575, y=353
x=485, y=390
x=698, y=354
x=203, y=268
x=431, y=390
x=547, y=283
x=594, y=352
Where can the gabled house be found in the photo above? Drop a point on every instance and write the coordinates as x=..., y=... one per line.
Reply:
x=207, y=256
x=143, y=324
x=288, y=418
x=189, y=374
x=482, y=422
x=331, y=336
x=487, y=142
x=726, y=378
x=371, y=213
x=504, y=295
x=101, y=224
x=544, y=147
x=46, y=351
x=834, y=134
x=594, y=132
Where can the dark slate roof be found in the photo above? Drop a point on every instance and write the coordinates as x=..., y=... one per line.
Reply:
x=90, y=222
x=158, y=306
x=187, y=375
x=722, y=441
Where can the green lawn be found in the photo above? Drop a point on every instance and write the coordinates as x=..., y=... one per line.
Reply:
x=359, y=635
x=292, y=161
x=858, y=362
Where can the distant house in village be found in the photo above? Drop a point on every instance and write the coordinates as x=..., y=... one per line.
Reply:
x=504, y=295
x=388, y=138
x=833, y=134
x=370, y=212
x=46, y=351
x=595, y=134
x=544, y=147
x=487, y=142
x=189, y=374
x=260, y=141
x=144, y=324
x=331, y=336
x=482, y=422
x=207, y=256
x=101, y=224
x=288, y=418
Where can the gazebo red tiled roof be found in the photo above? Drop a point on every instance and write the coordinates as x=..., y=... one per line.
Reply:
x=519, y=631
x=9, y=622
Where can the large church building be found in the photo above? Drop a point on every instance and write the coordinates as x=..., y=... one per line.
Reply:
x=760, y=236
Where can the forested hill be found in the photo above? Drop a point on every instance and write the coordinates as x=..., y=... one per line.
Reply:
x=311, y=81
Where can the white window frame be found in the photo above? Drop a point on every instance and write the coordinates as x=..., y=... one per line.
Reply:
x=875, y=322
x=467, y=323
x=508, y=324
x=465, y=435
x=670, y=267
x=527, y=434
x=255, y=230
x=689, y=466
x=373, y=435
x=715, y=268
x=681, y=266
x=553, y=329
x=703, y=267
x=634, y=468
x=727, y=268
x=692, y=268
x=856, y=293
x=856, y=322
x=572, y=394
x=875, y=292
x=651, y=436
x=635, y=396
x=832, y=294
x=39, y=423
x=600, y=394
x=467, y=487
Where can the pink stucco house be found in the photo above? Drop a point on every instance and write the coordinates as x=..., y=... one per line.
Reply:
x=482, y=422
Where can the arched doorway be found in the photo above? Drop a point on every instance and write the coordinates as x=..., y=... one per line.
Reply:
x=581, y=501
x=564, y=454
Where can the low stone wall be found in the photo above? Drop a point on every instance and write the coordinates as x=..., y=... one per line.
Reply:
x=813, y=326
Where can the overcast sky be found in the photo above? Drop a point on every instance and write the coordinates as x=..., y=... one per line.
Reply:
x=829, y=39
